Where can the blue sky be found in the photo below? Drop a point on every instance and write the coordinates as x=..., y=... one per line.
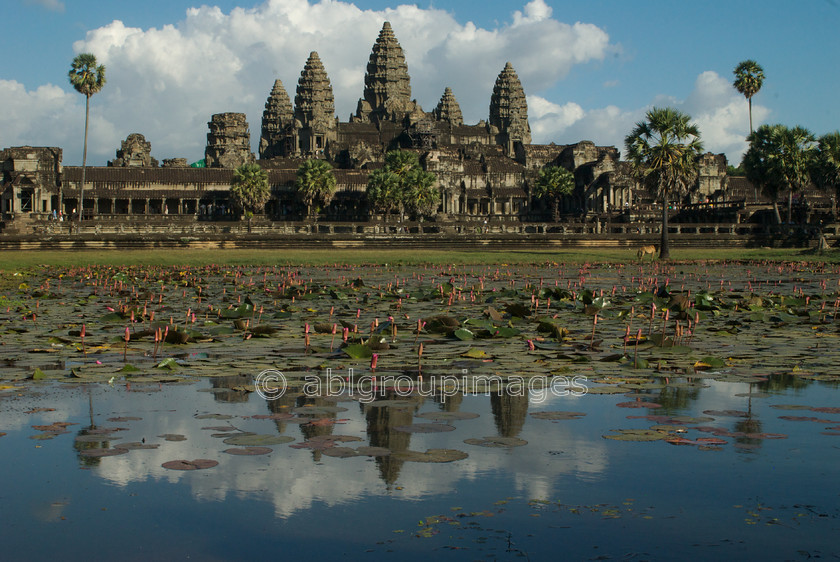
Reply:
x=590, y=69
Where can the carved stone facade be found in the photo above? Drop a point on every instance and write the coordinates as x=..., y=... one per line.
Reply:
x=387, y=95
x=483, y=170
x=134, y=151
x=228, y=142
x=713, y=183
x=277, y=137
x=448, y=110
x=315, y=123
x=30, y=179
x=509, y=110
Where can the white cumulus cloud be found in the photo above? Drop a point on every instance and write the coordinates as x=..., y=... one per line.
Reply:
x=715, y=106
x=167, y=82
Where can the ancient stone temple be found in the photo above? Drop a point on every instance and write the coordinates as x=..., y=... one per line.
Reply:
x=509, y=110
x=277, y=136
x=387, y=94
x=314, y=109
x=30, y=179
x=448, y=110
x=134, y=151
x=484, y=171
x=228, y=142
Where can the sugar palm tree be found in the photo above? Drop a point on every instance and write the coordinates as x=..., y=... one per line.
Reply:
x=749, y=76
x=664, y=151
x=554, y=182
x=88, y=79
x=760, y=163
x=826, y=173
x=315, y=182
x=383, y=191
x=403, y=184
x=421, y=194
x=798, y=150
x=249, y=189
x=780, y=158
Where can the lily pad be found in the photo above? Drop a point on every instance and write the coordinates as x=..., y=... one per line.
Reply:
x=173, y=437
x=213, y=417
x=636, y=435
x=431, y=455
x=557, y=415
x=103, y=452
x=134, y=445
x=197, y=464
x=639, y=404
x=496, y=442
x=248, y=451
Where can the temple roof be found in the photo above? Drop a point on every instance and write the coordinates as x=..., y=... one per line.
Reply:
x=508, y=107
x=448, y=109
x=387, y=84
x=314, y=102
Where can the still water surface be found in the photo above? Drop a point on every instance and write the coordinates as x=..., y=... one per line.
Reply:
x=769, y=492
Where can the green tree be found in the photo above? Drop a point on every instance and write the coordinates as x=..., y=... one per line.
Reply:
x=554, y=182
x=760, y=163
x=423, y=196
x=88, y=79
x=780, y=159
x=749, y=77
x=826, y=172
x=249, y=188
x=383, y=191
x=315, y=183
x=664, y=152
x=403, y=185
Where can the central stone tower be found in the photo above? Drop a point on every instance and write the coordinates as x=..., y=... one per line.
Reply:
x=509, y=111
x=278, y=124
x=387, y=94
x=314, y=109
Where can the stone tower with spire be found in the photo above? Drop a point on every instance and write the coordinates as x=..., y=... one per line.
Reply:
x=315, y=123
x=278, y=124
x=387, y=94
x=509, y=111
x=448, y=110
x=228, y=141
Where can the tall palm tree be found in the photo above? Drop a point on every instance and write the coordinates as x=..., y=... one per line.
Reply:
x=797, y=158
x=780, y=158
x=383, y=191
x=826, y=172
x=421, y=194
x=88, y=79
x=760, y=164
x=664, y=151
x=315, y=182
x=403, y=184
x=749, y=76
x=249, y=188
x=554, y=182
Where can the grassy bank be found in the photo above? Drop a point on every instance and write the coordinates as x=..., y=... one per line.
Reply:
x=12, y=260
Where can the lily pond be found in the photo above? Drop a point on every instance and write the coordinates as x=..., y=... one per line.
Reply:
x=598, y=411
